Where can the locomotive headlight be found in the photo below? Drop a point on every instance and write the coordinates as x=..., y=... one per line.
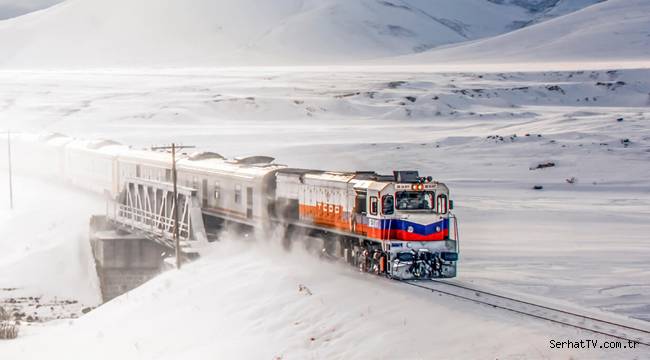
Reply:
x=410, y=229
x=438, y=228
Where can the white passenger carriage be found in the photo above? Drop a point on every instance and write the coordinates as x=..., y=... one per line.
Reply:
x=143, y=164
x=237, y=190
x=93, y=165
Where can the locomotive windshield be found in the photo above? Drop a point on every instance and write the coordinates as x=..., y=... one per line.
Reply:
x=415, y=200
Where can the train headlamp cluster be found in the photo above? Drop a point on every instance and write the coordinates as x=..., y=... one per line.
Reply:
x=422, y=183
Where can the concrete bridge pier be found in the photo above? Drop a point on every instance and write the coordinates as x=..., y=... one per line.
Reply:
x=123, y=260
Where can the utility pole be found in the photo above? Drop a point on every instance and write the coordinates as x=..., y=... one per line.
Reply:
x=176, y=237
x=11, y=185
x=177, y=241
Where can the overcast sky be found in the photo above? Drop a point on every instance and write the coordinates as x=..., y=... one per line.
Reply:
x=11, y=8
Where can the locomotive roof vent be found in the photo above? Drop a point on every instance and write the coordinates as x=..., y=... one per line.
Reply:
x=385, y=178
x=365, y=175
x=371, y=175
x=255, y=160
x=198, y=156
x=408, y=176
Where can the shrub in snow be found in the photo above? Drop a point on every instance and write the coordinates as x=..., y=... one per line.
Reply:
x=304, y=290
x=538, y=187
x=543, y=165
x=8, y=331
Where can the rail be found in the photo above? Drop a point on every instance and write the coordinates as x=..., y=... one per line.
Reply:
x=542, y=312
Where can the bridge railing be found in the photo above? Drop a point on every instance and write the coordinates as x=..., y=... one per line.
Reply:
x=148, y=206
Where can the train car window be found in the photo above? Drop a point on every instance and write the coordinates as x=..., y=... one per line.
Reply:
x=415, y=200
x=249, y=197
x=362, y=207
x=217, y=190
x=388, y=205
x=237, y=194
x=442, y=204
x=374, y=204
x=204, y=192
x=249, y=202
x=168, y=175
x=137, y=171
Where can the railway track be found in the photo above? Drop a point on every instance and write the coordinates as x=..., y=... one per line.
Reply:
x=563, y=317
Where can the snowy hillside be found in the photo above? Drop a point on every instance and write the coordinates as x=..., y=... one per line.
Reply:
x=615, y=30
x=208, y=32
x=13, y=8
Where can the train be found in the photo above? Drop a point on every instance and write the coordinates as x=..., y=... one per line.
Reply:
x=400, y=225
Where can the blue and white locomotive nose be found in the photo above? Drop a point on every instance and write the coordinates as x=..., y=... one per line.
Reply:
x=418, y=227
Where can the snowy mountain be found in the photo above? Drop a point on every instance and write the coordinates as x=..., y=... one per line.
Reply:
x=220, y=32
x=13, y=8
x=615, y=30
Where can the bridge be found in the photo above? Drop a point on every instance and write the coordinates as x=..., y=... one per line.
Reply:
x=147, y=207
x=133, y=240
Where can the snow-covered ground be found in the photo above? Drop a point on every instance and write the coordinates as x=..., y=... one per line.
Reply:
x=244, y=301
x=46, y=268
x=584, y=243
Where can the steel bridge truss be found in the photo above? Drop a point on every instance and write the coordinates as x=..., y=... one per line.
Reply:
x=147, y=207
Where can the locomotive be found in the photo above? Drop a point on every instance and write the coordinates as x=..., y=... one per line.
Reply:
x=400, y=225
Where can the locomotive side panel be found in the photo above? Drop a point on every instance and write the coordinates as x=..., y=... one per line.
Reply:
x=316, y=198
x=324, y=203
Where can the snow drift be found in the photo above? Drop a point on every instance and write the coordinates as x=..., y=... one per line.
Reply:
x=263, y=312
